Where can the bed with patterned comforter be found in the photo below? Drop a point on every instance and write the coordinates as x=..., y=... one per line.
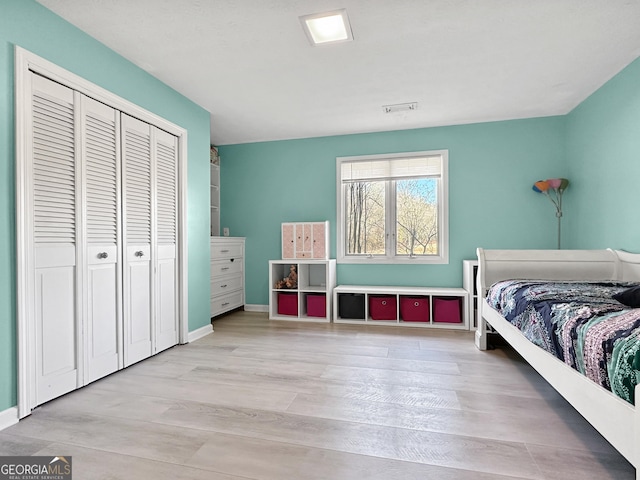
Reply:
x=581, y=323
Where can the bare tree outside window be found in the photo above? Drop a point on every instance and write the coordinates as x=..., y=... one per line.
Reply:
x=417, y=217
x=364, y=202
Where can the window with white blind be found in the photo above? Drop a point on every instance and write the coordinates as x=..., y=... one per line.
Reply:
x=393, y=208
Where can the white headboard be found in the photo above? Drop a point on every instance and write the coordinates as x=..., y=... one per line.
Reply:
x=496, y=265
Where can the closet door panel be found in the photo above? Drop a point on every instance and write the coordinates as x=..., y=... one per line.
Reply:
x=101, y=194
x=103, y=330
x=53, y=219
x=137, y=228
x=138, y=304
x=166, y=174
x=56, y=353
x=166, y=317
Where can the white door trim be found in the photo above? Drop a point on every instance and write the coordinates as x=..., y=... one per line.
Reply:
x=25, y=62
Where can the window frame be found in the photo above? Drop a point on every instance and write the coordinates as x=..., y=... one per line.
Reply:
x=390, y=227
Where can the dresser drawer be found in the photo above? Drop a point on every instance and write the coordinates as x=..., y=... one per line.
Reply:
x=229, y=266
x=226, y=250
x=226, y=302
x=220, y=286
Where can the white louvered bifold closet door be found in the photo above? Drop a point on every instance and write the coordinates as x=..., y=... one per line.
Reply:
x=101, y=194
x=97, y=222
x=137, y=228
x=166, y=174
x=53, y=217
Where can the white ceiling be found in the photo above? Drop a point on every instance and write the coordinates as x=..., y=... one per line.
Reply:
x=249, y=63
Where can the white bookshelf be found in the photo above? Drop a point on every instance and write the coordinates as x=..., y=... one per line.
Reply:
x=316, y=278
x=430, y=295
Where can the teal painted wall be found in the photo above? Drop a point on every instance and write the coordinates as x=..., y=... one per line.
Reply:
x=603, y=153
x=491, y=169
x=33, y=27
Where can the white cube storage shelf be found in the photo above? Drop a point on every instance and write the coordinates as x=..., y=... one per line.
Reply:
x=311, y=299
x=444, y=306
x=214, y=186
x=469, y=283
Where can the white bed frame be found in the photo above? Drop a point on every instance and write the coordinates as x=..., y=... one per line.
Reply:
x=614, y=418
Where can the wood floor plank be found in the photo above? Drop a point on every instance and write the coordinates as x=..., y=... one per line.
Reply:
x=467, y=453
x=181, y=389
x=95, y=464
x=546, y=406
x=160, y=366
x=373, y=391
x=305, y=344
x=262, y=354
x=494, y=426
x=11, y=445
x=578, y=465
x=142, y=439
x=414, y=379
x=285, y=366
x=451, y=354
x=277, y=461
x=109, y=403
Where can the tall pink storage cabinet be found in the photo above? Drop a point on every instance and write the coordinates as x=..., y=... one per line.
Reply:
x=305, y=240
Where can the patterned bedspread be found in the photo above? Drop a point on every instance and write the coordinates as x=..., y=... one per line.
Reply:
x=580, y=323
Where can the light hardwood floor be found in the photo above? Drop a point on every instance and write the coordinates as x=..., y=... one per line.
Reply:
x=288, y=401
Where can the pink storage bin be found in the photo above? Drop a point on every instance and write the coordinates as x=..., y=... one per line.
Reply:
x=287, y=303
x=447, y=310
x=316, y=305
x=382, y=307
x=414, y=309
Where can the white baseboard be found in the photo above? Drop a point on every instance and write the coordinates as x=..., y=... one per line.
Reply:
x=256, y=308
x=200, y=332
x=8, y=417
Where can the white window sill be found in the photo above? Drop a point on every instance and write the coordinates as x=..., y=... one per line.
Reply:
x=436, y=260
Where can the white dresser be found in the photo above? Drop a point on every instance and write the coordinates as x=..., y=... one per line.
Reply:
x=227, y=274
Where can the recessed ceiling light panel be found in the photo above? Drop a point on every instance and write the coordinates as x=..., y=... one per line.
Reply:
x=327, y=27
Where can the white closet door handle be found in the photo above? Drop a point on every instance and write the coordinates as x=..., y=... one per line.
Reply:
x=139, y=254
x=103, y=255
